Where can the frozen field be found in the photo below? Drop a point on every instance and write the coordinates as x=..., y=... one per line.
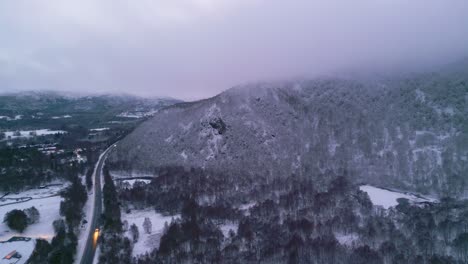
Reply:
x=146, y=242
x=387, y=198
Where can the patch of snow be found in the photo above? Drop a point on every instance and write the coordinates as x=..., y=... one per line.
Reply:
x=130, y=115
x=183, y=155
x=146, y=242
x=96, y=255
x=246, y=207
x=226, y=227
x=212, y=111
x=7, y=118
x=130, y=174
x=169, y=139
x=60, y=117
x=399, y=134
x=99, y=129
x=186, y=127
x=420, y=95
x=387, y=198
x=138, y=114
x=449, y=111
x=332, y=145
x=422, y=132
x=346, y=239
x=444, y=136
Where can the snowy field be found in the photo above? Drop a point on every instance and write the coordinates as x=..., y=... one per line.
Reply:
x=146, y=242
x=387, y=198
x=25, y=248
x=49, y=210
x=32, y=133
x=46, y=200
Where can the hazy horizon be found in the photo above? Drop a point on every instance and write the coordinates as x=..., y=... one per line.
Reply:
x=193, y=49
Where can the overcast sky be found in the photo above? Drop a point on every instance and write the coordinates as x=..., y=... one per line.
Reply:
x=192, y=49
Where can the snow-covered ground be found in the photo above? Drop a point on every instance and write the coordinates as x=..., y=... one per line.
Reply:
x=137, y=114
x=49, y=210
x=32, y=133
x=47, y=202
x=130, y=174
x=7, y=118
x=226, y=227
x=146, y=242
x=49, y=190
x=346, y=239
x=96, y=255
x=24, y=248
x=246, y=207
x=60, y=117
x=99, y=129
x=387, y=198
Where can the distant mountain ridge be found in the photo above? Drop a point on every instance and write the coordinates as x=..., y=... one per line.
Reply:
x=37, y=108
x=408, y=133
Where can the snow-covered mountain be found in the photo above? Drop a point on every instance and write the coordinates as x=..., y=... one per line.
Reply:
x=408, y=133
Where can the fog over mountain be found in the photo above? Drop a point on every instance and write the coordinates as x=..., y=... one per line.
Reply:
x=408, y=133
x=193, y=49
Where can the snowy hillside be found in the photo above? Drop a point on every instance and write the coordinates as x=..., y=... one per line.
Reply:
x=406, y=133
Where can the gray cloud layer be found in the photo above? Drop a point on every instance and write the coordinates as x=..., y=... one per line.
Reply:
x=196, y=48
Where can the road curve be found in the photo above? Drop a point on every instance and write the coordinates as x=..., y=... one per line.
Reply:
x=90, y=246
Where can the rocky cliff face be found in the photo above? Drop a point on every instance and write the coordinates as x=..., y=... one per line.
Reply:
x=407, y=133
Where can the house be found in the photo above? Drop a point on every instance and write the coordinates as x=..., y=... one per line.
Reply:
x=12, y=255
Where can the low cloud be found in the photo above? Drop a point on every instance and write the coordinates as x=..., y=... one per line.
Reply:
x=196, y=48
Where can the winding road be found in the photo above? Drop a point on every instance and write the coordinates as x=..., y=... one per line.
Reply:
x=91, y=241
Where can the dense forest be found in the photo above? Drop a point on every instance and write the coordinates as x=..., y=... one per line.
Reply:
x=293, y=220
